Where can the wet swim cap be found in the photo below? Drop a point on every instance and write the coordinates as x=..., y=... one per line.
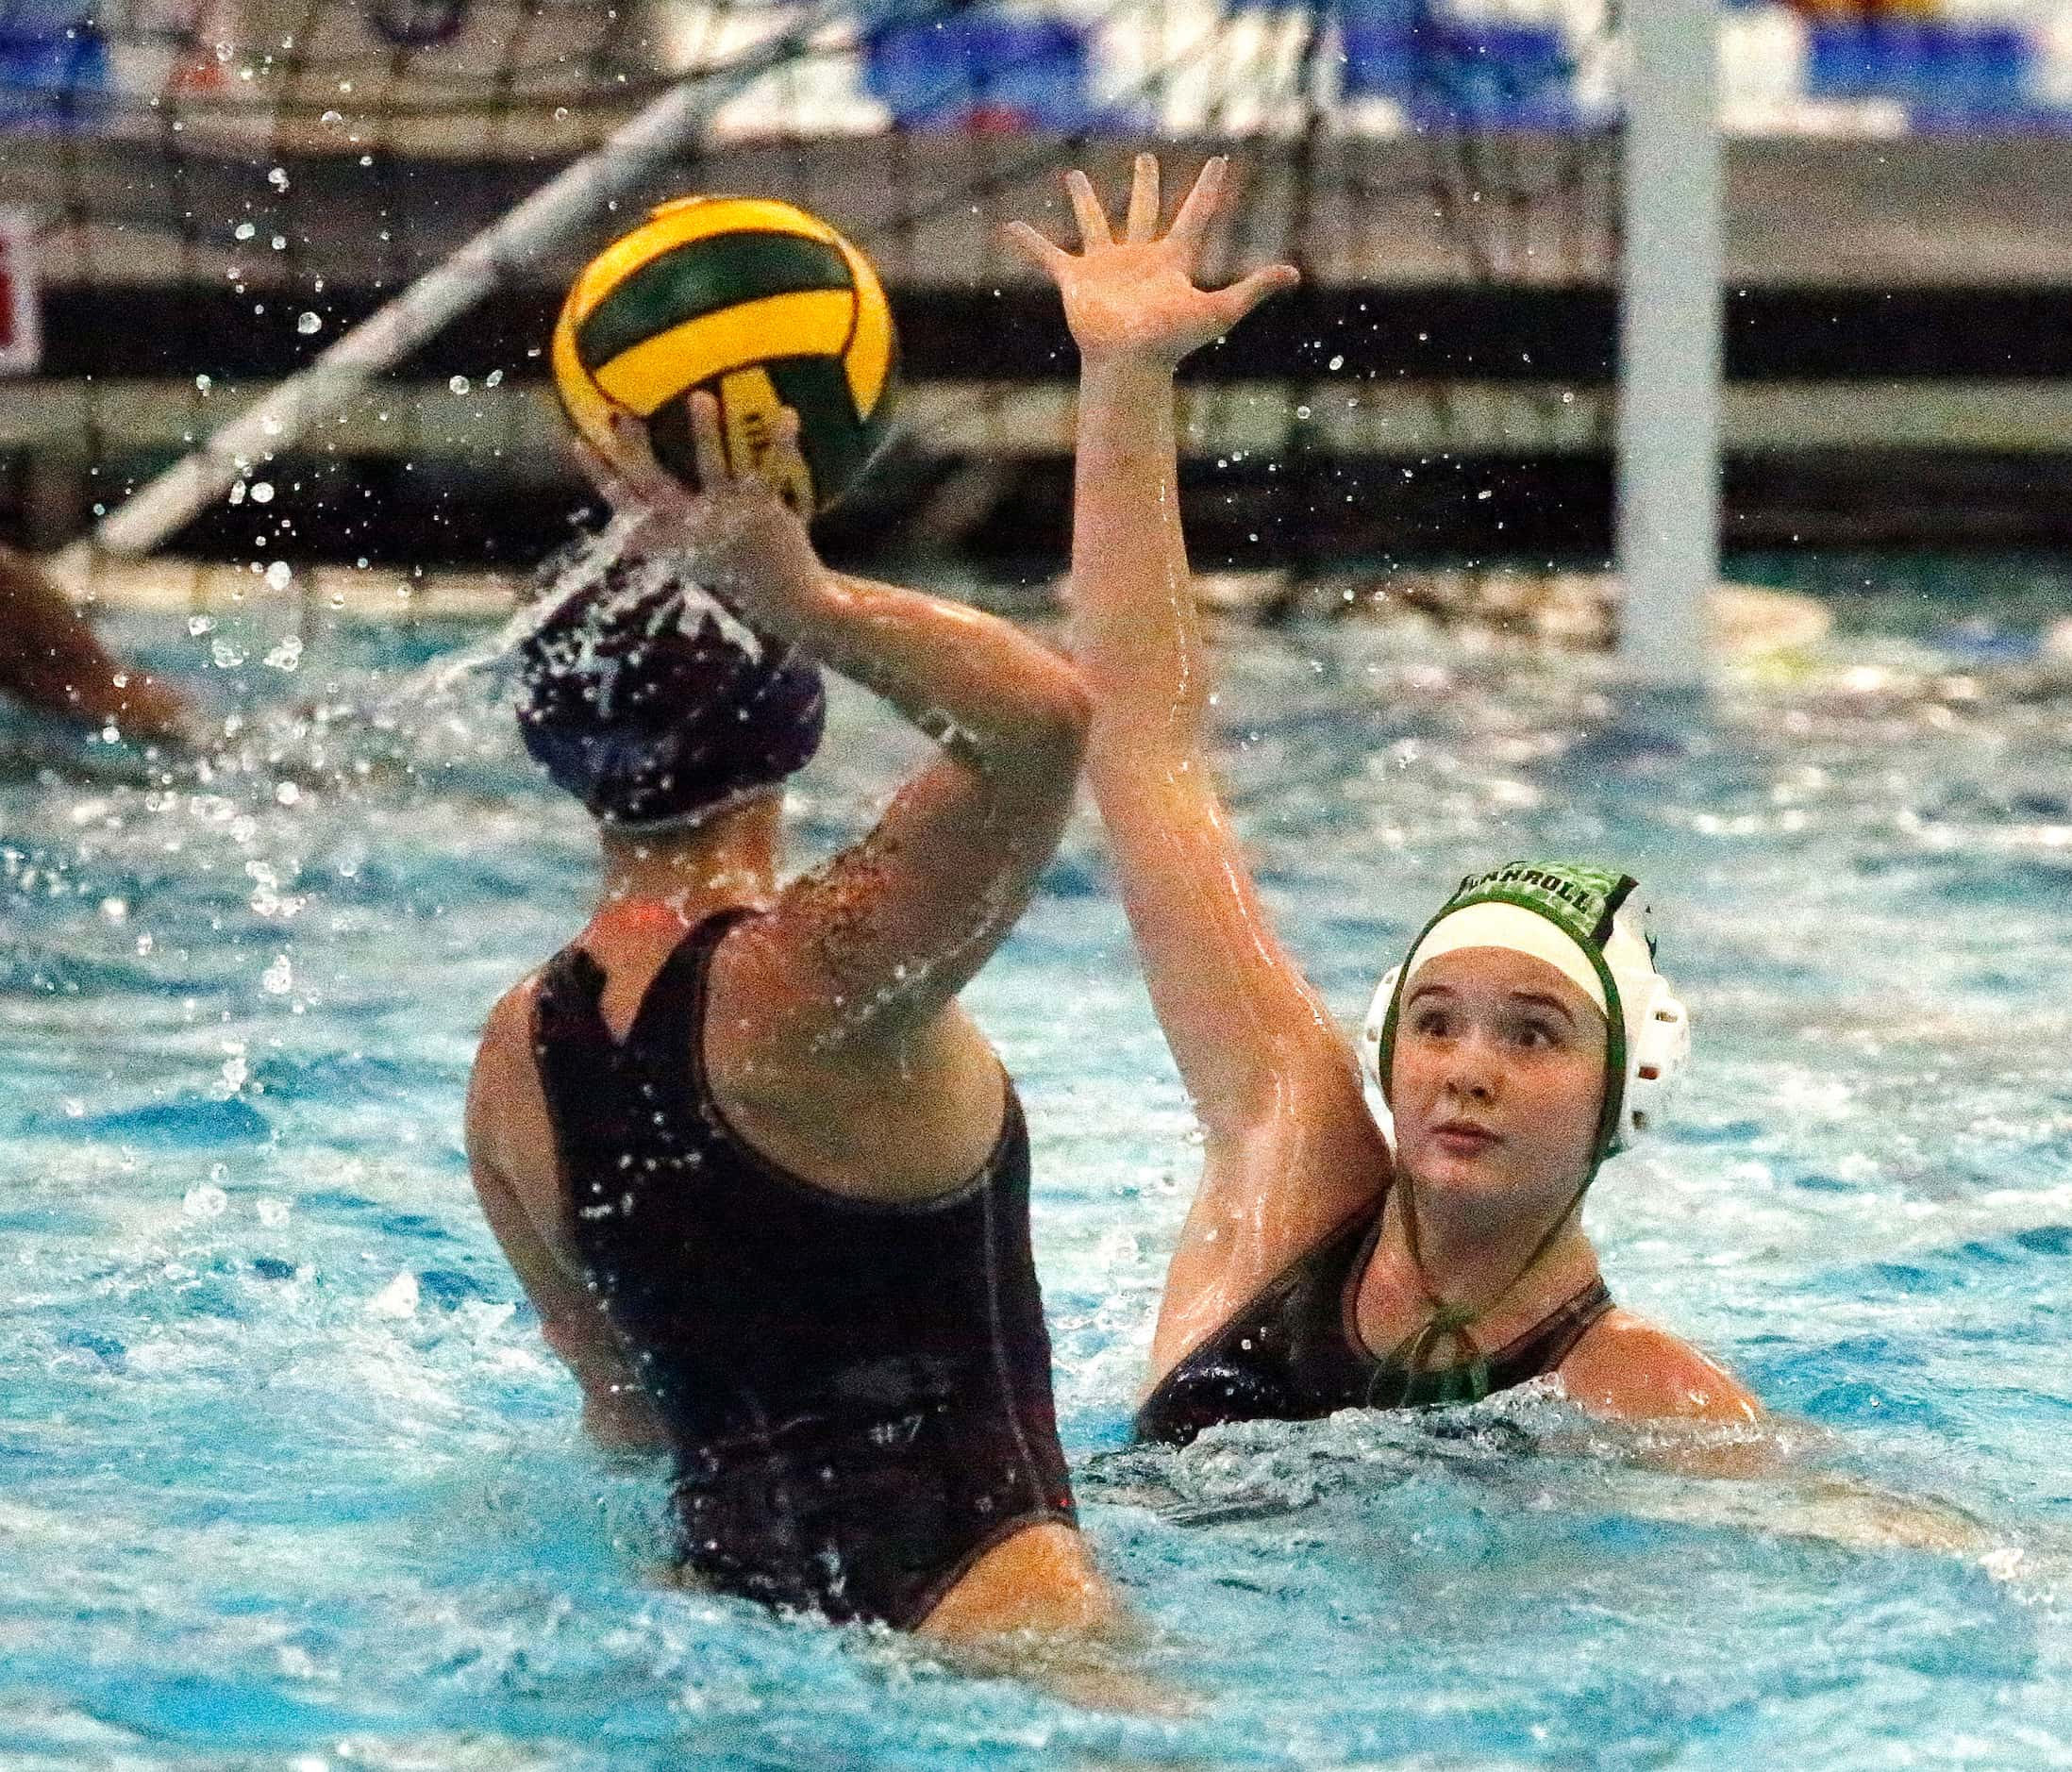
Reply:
x=653, y=705
x=1585, y=922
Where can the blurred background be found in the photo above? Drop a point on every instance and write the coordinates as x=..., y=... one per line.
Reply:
x=200, y=196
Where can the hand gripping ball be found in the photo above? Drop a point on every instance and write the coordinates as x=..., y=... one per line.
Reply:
x=757, y=301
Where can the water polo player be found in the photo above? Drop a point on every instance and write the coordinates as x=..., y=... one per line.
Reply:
x=765, y=1181
x=1331, y=1259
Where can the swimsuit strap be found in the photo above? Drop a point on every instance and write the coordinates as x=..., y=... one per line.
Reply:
x=1555, y=1336
x=670, y=1021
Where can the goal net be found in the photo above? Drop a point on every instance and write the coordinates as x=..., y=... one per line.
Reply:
x=197, y=197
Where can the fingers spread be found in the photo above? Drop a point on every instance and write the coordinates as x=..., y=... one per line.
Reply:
x=1087, y=207
x=1142, y=223
x=1202, y=204
x=1247, y=293
x=1033, y=246
x=786, y=469
x=709, y=447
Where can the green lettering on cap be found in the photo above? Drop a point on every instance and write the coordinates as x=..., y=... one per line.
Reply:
x=1580, y=901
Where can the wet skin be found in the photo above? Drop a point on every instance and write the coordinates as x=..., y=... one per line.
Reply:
x=1497, y=1082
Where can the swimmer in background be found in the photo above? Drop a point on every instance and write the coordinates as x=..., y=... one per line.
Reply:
x=51, y=664
x=765, y=1180
x=1328, y=1263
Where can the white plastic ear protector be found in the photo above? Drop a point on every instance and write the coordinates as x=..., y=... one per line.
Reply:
x=1658, y=1045
x=1370, y=1054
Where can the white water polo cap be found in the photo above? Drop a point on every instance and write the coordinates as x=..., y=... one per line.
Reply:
x=1586, y=923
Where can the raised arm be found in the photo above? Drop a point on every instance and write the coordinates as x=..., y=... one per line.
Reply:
x=872, y=947
x=1289, y=1146
x=1233, y=1004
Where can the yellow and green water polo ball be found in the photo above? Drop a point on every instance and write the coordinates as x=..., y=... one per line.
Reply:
x=760, y=302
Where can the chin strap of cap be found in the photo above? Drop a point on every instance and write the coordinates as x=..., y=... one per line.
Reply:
x=1448, y=1326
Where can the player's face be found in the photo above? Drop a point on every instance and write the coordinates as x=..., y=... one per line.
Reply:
x=1499, y=1078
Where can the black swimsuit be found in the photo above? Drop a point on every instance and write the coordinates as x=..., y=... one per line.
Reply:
x=859, y=1394
x=1294, y=1353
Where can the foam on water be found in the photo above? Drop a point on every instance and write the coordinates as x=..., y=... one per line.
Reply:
x=288, y=1480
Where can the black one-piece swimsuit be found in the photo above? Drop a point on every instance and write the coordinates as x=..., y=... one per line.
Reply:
x=858, y=1395
x=1294, y=1353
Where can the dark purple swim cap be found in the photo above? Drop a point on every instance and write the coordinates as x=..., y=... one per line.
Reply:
x=653, y=705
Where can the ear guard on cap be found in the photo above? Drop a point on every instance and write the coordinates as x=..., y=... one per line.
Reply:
x=1373, y=1084
x=1657, y=1048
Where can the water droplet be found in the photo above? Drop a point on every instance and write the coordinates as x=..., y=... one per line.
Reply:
x=279, y=978
x=458, y=385
x=262, y=492
x=205, y=1201
x=278, y=179
x=493, y=380
x=308, y=323
x=244, y=230
x=203, y=383
x=277, y=574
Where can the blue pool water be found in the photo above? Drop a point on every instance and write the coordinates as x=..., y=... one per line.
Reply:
x=287, y=1480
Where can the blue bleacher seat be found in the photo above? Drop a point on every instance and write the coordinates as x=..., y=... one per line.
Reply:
x=53, y=65
x=981, y=68
x=1382, y=42
x=1947, y=73
x=1489, y=73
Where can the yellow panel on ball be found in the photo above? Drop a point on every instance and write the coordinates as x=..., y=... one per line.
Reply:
x=752, y=299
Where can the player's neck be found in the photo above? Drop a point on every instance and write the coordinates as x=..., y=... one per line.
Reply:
x=675, y=879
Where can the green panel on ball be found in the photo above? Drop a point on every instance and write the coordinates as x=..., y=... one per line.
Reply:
x=702, y=279
x=836, y=443
x=669, y=436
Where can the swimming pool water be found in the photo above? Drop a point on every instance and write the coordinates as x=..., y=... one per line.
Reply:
x=287, y=1480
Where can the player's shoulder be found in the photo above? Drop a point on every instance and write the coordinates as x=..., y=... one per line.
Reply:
x=503, y=1055
x=510, y=1016
x=1630, y=1367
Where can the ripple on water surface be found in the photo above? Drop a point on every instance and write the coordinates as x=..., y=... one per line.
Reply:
x=286, y=1478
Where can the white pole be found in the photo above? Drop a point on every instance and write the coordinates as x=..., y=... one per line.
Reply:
x=385, y=337
x=1670, y=314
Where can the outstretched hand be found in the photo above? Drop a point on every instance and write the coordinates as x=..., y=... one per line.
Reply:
x=1137, y=297
x=735, y=529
